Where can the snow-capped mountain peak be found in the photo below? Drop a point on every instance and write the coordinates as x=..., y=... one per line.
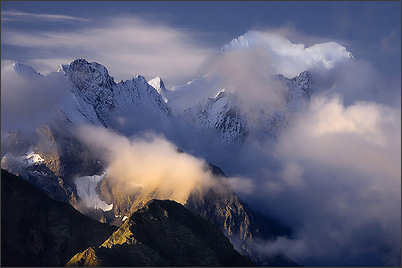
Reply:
x=93, y=97
x=86, y=75
x=158, y=84
x=287, y=58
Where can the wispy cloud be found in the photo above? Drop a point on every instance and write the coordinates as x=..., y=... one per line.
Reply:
x=126, y=46
x=13, y=15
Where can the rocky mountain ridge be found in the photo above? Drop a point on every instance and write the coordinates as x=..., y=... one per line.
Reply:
x=163, y=233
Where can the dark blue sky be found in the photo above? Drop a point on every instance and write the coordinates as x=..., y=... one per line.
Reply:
x=369, y=29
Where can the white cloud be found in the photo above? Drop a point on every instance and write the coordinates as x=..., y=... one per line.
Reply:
x=4, y=63
x=362, y=136
x=28, y=98
x=347, y=160
x=241, y=185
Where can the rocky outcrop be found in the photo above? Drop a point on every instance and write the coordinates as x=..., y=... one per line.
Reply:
x=50, y=159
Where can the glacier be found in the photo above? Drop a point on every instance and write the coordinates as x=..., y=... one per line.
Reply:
x=86, y=189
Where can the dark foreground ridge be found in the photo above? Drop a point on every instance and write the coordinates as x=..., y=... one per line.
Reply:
x=39, y=231
x=163, y=233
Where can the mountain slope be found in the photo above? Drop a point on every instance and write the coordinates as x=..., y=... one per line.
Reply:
x=221, y=207
x=240, y=224
x=225, y=115
x=163, y=233
x=39, y=231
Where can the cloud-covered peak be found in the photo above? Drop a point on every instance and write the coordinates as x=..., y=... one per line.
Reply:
x=288, y=58
x=21, y=69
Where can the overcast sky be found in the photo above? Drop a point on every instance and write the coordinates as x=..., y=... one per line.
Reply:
x=173, y=39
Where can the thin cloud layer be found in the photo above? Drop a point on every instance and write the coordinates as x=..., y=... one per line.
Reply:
x=127, y=46
x=14, y=15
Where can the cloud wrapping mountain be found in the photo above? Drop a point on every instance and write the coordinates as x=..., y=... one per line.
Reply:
x=328, y=166
x=148, y=164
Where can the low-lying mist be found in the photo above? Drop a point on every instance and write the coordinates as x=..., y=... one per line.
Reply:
x=29, y=99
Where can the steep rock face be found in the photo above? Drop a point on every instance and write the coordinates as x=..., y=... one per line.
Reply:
x=164, y=233
x=15, y=142
x=240, y=224
x=39, y=231
x=299, y=90
x=48, y=148
x=222, y=114
x=88, y=76
x=92, y=84
x=63, y=153
x=137, y=91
